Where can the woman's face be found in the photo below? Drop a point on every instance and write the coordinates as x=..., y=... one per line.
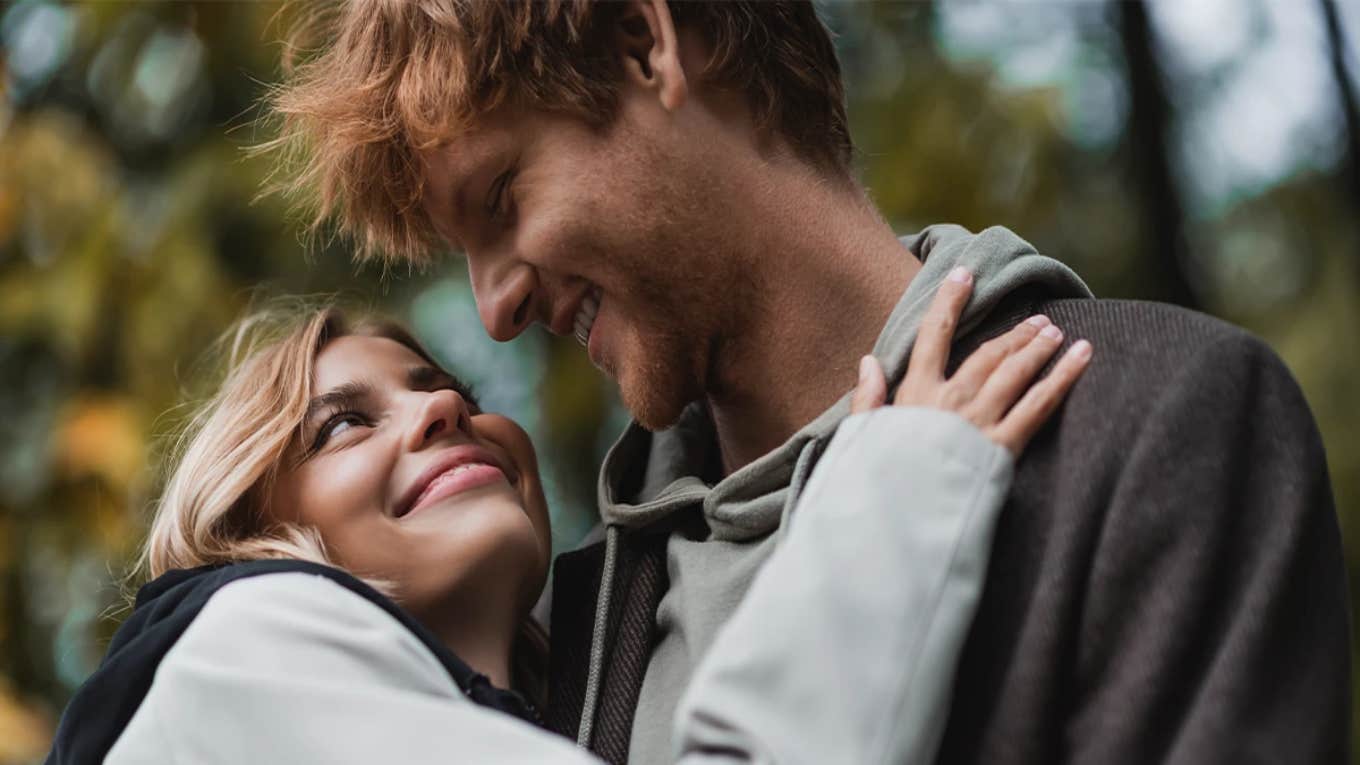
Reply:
x=408, y=482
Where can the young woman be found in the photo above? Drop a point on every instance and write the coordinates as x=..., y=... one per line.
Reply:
x=345, y=556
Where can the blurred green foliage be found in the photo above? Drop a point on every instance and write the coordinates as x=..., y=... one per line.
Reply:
x=130, y=238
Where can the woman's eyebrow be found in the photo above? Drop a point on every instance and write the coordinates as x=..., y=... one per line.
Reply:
x=339, y=397
x=432, y=378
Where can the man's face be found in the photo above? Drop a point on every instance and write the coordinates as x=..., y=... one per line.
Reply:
x=557, y=218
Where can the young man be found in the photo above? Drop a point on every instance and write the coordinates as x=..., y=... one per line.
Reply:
x=673, y=184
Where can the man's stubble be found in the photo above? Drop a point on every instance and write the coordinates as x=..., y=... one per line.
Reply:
x=697, y=288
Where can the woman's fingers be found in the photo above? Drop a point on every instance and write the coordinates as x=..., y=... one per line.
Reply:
x=1013, y=376
x=872, y=389
x=931, y=351
x=994, y=388
x=1039, y=402
x=980, y=364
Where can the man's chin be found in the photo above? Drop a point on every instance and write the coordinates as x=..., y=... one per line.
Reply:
x=656, y=404
x=658, y=374
x=652, y=412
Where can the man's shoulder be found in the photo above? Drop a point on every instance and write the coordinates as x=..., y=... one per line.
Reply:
x=1147, y=328
x=1147, y=351
x=1168, y=382
x=1175, y=504
x=1129, y=328
x=1187, y=360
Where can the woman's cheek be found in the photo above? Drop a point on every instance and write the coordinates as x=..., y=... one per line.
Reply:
x=345, y=488
x=512, y=441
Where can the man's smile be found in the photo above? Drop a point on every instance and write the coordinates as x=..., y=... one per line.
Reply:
x=585, y=315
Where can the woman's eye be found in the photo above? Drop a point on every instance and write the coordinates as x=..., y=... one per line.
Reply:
x=335, y=426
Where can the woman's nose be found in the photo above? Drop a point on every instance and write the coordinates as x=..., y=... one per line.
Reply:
x=439, y=413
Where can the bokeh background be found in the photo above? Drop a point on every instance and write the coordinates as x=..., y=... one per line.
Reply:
x=1203, y=152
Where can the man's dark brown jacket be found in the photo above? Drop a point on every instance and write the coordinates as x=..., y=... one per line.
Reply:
x=1167, y=583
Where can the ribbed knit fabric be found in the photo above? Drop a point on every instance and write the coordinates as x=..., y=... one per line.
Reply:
x=638, y=586
x=576, y=576
x=1167, y=581
x=630, y=647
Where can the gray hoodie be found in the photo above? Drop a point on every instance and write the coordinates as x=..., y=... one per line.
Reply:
x=709, y=577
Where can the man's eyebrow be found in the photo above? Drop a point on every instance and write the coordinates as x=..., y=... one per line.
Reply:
x=432, y=378
x=342, y=396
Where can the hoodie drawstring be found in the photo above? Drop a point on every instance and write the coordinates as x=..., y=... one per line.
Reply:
x=611, y=545
x=802, y=468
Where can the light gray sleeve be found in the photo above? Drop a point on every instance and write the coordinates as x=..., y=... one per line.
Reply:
x=294, y=668
x=845, y=647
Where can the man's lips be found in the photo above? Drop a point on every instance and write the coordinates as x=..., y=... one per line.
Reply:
x=455, y=470
x=564, y=319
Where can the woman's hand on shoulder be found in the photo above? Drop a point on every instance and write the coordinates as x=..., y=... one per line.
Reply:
x=995, y=388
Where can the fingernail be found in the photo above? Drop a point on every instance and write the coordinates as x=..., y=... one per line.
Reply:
x=1039, y=321
x=866, y=367
x=960, y=275
x=1052, y=332
x=1080, y=350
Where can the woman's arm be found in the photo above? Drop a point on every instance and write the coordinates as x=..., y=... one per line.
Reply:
x=844, y=648
x=295, y=668
x=852, y=627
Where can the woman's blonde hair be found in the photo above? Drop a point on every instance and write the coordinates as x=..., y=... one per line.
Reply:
x=215, y=506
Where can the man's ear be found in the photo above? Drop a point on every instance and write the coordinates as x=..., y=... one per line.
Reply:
x=650, y=50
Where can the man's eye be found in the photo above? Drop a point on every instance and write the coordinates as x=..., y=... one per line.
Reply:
x=497, y=195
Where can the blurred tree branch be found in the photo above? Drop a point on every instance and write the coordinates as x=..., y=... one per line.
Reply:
x=1336, y=41
x=1147, y=150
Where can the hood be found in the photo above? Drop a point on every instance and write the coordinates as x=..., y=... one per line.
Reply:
x=104, y=704
x=647, y=476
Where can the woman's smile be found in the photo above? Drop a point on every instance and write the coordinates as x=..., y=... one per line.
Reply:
x=460, y=469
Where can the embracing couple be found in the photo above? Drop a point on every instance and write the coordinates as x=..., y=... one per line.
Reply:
x=908, y=500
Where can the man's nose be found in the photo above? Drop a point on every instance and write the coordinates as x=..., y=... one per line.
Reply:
x=439, y=413
x=505, y=294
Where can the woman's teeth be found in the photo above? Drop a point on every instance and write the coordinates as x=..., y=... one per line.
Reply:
x=466, y=466
x=585, y=316
x=446, y=475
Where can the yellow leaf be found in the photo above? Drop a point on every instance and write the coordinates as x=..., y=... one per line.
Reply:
x=102, y=436
x=25, y=733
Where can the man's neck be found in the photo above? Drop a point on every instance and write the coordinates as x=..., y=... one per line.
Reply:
x=829, y=282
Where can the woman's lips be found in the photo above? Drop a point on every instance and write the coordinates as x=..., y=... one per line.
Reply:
x=465, y=477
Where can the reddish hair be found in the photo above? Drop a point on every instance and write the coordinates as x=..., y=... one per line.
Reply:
x=391, y=78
